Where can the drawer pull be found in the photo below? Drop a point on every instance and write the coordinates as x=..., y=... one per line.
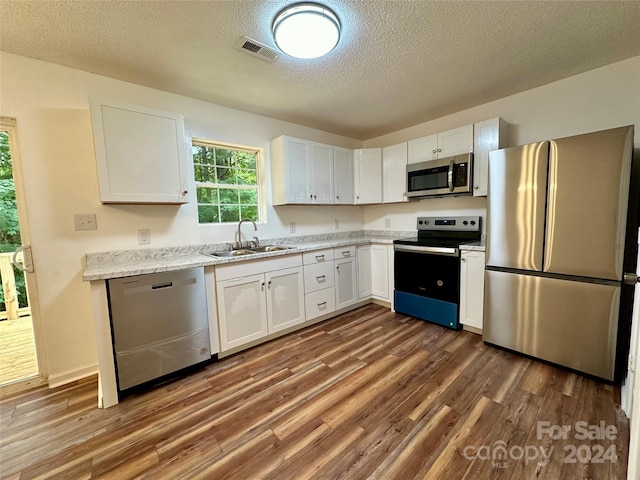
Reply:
x=320, y=278
x=346, y=254
x=322, y=304
x=319, y=258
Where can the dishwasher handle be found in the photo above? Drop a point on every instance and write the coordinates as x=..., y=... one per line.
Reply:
x=159, y=286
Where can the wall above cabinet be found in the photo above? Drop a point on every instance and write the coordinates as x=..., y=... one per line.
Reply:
x=140, y=152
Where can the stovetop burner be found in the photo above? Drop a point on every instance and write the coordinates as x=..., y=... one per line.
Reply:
x=447, y=232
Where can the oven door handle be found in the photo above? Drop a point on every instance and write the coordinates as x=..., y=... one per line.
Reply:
x=450, y=175
x=451, y=252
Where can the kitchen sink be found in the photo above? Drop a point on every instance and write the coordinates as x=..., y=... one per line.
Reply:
x=270, y=248
x=250, y=251
x=232, y=253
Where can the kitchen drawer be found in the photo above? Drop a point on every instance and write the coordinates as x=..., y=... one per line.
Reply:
x=344, y=252
x=318, y=276
x=320, y=302
x=317, y=256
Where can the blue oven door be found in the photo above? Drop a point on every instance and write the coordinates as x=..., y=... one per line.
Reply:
x=427, y=283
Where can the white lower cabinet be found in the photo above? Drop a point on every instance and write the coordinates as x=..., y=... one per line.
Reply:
x=258, y=298
x=472, y=288
x=285, y=307
x=375, y=272
x=242, y=310
x=320, y=303
x=364, y=272
x=345, y=278
x=380, y=271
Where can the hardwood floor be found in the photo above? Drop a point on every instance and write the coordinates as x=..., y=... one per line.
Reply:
x=369, y=394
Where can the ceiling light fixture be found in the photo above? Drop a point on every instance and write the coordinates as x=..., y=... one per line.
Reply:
x=306, y=30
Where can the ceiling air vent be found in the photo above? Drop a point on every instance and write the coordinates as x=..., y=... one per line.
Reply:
x=257, y=49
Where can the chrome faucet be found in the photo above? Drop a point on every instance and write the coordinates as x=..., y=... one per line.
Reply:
x=238, y=243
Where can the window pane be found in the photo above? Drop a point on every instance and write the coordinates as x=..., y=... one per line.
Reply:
x=203, y=154
x=228, y=196
x=230, y=213
x=247, y=160
x=250, y=211
x=225, y=158
x=248, y=197
x=226, y=175
x=247, y=177
x=207, y=195
x=204, y=174
x=208, y=214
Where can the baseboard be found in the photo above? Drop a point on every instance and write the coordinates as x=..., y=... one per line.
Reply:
x=59, y=379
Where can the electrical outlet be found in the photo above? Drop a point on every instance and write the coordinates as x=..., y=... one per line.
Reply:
x=144, y=237
x=85, y=221
x=292, y=227
x=336, y=224
x=387, y=223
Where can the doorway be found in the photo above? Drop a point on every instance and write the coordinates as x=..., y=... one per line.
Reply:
x=19, y=359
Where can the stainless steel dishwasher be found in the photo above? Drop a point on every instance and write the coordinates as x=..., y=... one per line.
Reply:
x=159, y=324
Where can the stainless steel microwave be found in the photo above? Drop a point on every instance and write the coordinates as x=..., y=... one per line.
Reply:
x=445, y=176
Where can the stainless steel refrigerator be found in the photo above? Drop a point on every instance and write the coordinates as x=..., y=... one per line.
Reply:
x=556, y=228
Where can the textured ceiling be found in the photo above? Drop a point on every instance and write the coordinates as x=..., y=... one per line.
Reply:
x=398, y=63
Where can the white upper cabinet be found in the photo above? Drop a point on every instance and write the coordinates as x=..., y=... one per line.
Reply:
x=440, y=145
x=488, y=135
x=394, y=173
x=322, y=173
x=301, y=171
x=343, y=175
x=368, y=175
x=140, y=152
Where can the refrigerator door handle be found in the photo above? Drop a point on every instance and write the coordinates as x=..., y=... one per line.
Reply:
x=631, y=278
x=450, y=175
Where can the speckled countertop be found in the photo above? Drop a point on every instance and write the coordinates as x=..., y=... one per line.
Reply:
x=475, y=246
x=126, y=263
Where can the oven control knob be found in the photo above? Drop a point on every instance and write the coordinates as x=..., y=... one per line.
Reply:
x=465, y=223
x=426, y=222
x=473, y=222
x=420, y=222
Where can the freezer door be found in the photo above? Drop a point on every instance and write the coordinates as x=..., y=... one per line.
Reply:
x=587, y=203
x=565, y=322
x=515, y=206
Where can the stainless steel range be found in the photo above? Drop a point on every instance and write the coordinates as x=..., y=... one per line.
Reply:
x=427, y=268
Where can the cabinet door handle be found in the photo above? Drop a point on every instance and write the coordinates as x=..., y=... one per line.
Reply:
x=269, y=284
x=320, y=278
x=319, y=257
x=476, y=187
x=338, y=268
x=463, y=260
x=262, y=286
x=321, y=304
x=433, y=151
x=184, y=192
x=439, y=150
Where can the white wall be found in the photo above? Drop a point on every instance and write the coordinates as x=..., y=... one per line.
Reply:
x=51, y=105
x=604, y=98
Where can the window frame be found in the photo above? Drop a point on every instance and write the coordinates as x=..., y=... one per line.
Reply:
x=258, y=187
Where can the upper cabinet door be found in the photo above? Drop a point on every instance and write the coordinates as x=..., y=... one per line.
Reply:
x=368, y=171
x=516, y=206
x=343, y=175
x=587, y=203
x=322, y=186
x=291, y=170
x=487, y=136
x=141, y=153
x=423, y=149
x=394, y=173
x=455, y=142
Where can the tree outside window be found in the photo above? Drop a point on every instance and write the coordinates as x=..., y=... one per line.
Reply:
x=227, y=184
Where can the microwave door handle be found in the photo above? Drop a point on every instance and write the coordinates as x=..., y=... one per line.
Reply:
x=450, y=175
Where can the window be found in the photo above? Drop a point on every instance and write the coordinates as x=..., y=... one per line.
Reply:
x=227, y=184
